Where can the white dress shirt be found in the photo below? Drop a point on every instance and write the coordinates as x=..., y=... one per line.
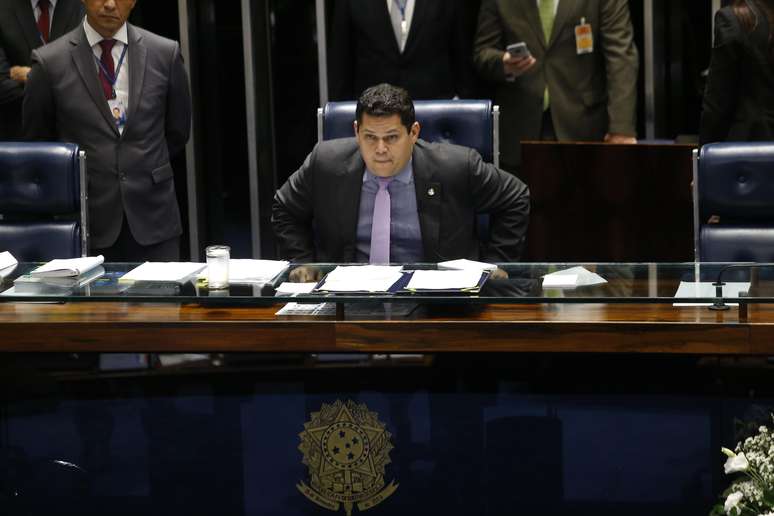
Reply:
x=409, y=15
x=122, y=40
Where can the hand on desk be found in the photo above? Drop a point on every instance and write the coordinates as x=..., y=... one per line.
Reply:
x=305, y=274
x=619, y=138
x=498, y=273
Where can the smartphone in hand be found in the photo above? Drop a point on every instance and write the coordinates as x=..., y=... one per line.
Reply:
x=518, y=50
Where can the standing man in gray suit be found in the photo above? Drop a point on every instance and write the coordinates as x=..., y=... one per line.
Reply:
x=24, y=26
x=122, y=94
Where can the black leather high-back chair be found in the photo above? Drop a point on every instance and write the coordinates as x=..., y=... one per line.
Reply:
x=734, y=184
x=470, y=123
x=43, y=200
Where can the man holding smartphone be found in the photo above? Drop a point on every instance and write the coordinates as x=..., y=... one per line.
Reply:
x=563, y=70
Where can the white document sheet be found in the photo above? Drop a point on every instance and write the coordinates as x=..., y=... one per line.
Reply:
x=7, y=264
x=288, y=289
x=688, y=289
x=572, y=277
x=307, y=309
x=246, y=272
x=463, y=264
x=444, y=280
x=178, y=272
x=61, y=268
x=362, y=278
x=7, y=259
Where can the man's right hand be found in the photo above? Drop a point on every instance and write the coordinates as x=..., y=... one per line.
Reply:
x=517, y=66
x=20, y=73
x=305, y=274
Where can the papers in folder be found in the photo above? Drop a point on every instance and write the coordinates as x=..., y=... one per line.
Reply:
x=361, y=278
x=62, y=268
x=689, y=289
x=177, y=272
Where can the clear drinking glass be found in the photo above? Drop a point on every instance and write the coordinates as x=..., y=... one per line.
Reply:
x=217, y=266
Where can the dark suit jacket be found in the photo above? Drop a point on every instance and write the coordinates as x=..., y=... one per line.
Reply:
x=18, y=38
x=738, y=102
x=315, y=213
x=128, y=174
x=436, y=62
x=591, y=94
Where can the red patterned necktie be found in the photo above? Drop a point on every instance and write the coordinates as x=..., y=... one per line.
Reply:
x=107, y=64
x=44, y=21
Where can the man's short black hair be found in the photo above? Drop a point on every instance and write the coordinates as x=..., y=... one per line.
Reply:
x=386, y=100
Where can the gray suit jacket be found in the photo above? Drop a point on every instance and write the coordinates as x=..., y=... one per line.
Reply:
x=130, y=174
x=315, y=213
x=591, y=94
x=18, y=38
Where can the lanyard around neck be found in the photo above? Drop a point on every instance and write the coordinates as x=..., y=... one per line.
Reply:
x=112, y=79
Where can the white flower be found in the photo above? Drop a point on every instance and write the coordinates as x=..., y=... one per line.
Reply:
x=736, y=464
x=727, y=452
x=732, y=503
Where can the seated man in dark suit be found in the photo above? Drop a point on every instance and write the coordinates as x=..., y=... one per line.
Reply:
x=387, y=196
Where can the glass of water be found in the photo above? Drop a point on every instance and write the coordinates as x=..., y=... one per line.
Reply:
x=217, y=266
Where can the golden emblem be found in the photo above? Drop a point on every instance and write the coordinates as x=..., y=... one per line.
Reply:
x=346, y=448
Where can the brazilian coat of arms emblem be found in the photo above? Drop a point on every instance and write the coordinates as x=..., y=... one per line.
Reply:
x=346, y=449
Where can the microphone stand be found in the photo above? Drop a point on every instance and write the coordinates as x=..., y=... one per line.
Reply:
x=719, y=304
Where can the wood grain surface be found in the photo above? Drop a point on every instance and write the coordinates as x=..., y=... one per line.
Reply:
x=544, y=328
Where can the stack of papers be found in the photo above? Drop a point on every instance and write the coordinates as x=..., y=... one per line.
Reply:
x=571, y=278
x=63, y=268
x=362, y=278
x=251, y=272
x=177, y=272
x=34, y=283
x=445, y=280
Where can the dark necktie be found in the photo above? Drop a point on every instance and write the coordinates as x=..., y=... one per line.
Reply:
x=107, y=64
x=44, y=20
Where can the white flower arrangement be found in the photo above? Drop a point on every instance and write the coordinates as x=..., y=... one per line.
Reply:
x=753, y=493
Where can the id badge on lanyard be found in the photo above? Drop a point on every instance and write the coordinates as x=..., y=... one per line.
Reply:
x=584, y=38
x=116, y=105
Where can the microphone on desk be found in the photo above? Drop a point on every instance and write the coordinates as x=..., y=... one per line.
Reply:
x=719, y=304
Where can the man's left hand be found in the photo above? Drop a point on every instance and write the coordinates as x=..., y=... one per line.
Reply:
x=619, y=138
x=20, y=73
x=498, y=273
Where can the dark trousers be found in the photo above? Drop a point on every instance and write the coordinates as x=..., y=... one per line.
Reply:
x=126, y=249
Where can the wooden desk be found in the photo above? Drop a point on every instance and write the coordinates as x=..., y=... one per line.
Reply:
x=544, y=328
x=608, y=203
